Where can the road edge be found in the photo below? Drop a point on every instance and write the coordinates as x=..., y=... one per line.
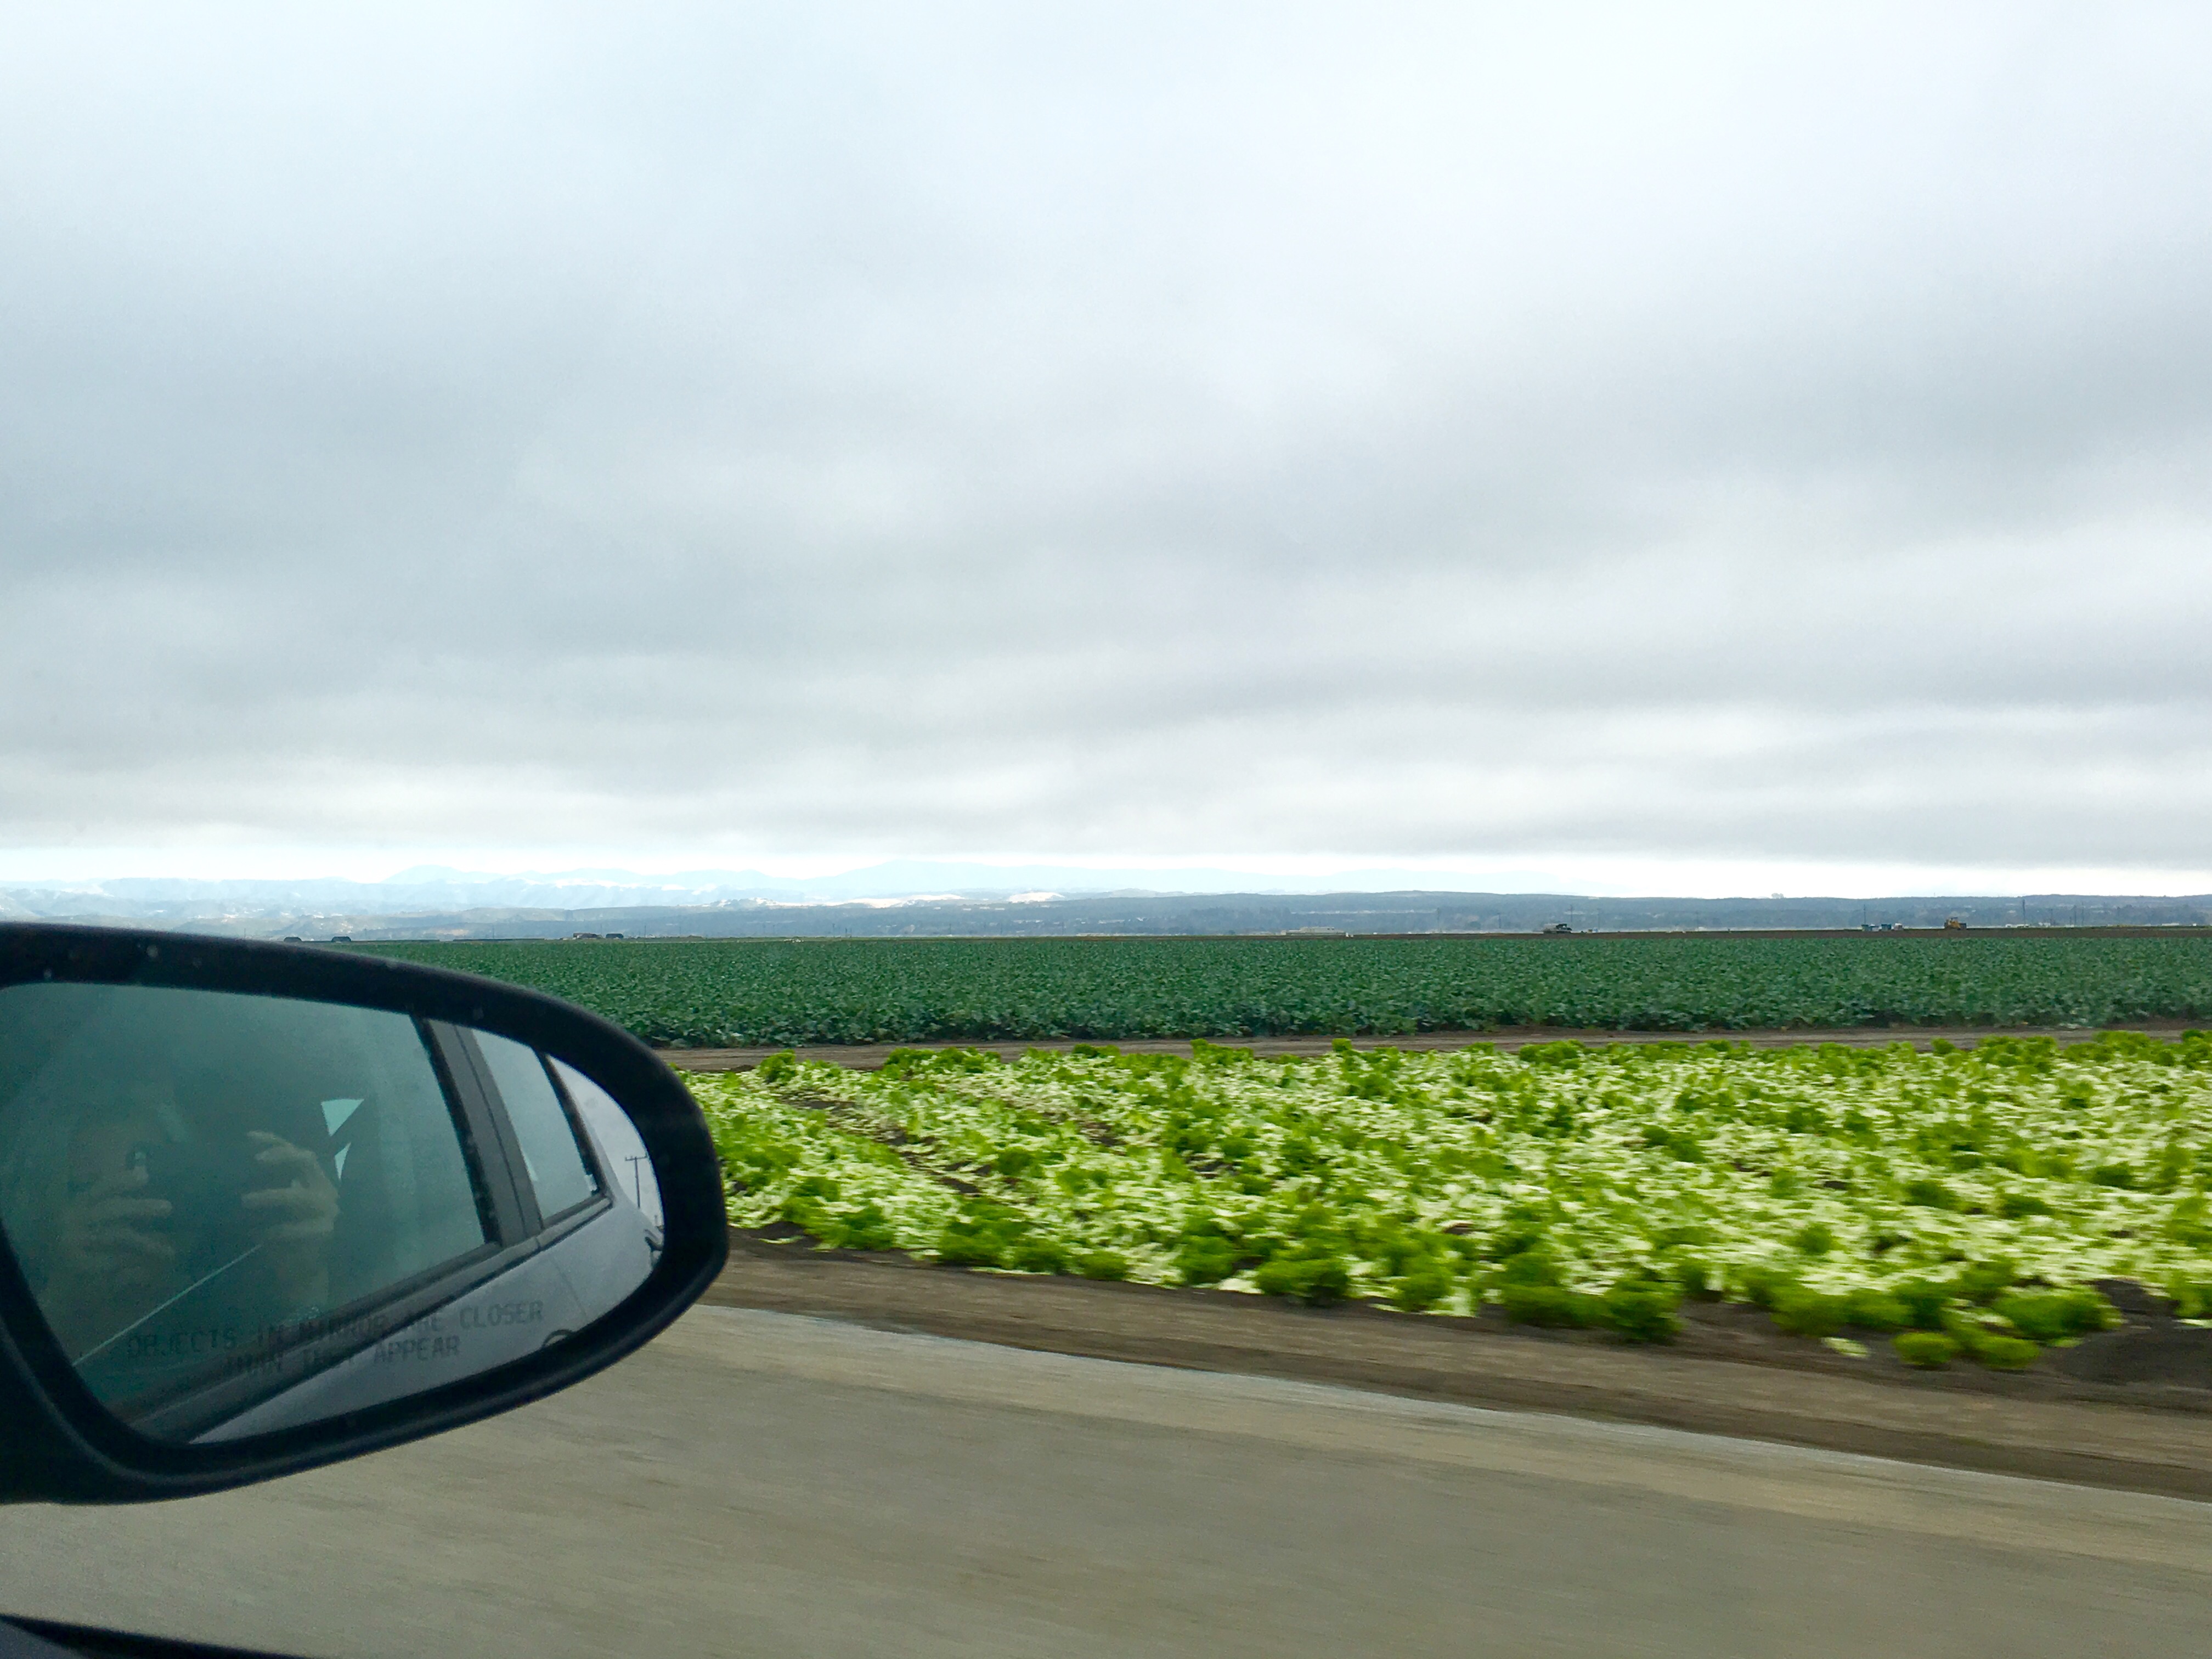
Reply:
x=2113, y=1442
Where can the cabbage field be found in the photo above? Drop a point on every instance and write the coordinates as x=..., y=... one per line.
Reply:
x=715, y=993
x=1958, y=1199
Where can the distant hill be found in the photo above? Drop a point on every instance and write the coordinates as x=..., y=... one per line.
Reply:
x=432, y=889
x=458, y=910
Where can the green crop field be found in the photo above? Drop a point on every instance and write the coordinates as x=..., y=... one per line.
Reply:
x=735, y=993
x=1972, y=1194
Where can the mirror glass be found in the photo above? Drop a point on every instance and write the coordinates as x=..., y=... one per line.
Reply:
x=244, y=1213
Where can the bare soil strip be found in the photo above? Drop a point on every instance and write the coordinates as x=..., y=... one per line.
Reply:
x=1730, y=1374
x=868, y=1056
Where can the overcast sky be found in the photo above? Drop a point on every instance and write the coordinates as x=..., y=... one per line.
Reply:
x=1683, y=448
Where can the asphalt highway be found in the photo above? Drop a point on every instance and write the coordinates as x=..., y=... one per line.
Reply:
x=766, y=1484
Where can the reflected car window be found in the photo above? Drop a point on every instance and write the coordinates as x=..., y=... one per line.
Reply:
x=198, y=1182
x=559, y=1171
x=620, y=1147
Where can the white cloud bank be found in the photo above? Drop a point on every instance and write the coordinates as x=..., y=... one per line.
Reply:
x=1716, y=450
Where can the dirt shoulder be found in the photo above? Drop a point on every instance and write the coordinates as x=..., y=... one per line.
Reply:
x=867, y=1056
x=1731, y=1373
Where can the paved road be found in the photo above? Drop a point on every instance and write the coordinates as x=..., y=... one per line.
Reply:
x=764, y=1484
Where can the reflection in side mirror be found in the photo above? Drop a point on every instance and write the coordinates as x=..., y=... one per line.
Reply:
x=621, y=1150
x=239, y=1215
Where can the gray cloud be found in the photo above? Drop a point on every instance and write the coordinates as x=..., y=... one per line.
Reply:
x=1431, y=433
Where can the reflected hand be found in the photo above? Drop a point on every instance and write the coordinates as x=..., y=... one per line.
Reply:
x=104, y=1236
x=295, y=1215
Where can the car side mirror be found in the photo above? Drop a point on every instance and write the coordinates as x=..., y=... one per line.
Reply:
x=264, y=1206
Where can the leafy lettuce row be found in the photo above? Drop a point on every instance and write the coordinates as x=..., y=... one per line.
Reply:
x=1564, y=1182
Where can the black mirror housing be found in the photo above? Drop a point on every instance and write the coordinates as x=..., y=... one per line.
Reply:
x=66, y=1439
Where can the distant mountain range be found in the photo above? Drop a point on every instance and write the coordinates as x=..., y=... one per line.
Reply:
x=920, y=899
x=429, y=888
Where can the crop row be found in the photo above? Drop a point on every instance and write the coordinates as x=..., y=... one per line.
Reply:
x=1970, y=1195
x=715, y=993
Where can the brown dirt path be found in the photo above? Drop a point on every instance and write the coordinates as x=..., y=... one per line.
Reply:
x=1730, y=1374
x=867, y=1056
